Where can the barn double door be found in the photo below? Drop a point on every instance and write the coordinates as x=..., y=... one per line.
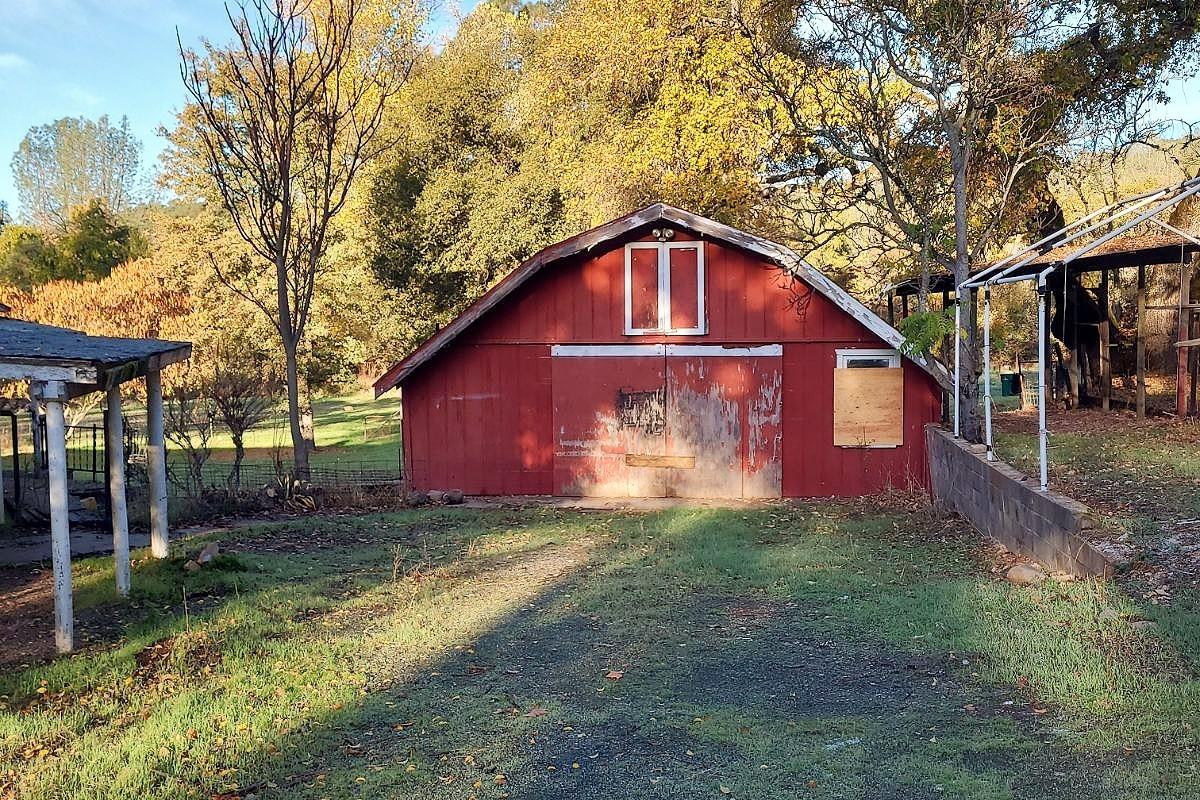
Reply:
x=667, y=420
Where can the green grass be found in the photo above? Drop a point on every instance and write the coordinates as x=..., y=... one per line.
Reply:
x=355, y=426
x=1141, y=473
x=829, y=651
x=352, y=431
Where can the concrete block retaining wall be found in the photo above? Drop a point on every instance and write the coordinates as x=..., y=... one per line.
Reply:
x=1009, y=506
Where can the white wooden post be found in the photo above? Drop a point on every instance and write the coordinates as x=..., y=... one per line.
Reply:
x=53, y=393
x=3, y=517
x=114, y=451
x=156, y=465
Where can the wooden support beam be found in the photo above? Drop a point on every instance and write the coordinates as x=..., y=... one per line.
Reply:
x=1183, y=327
x=114, y=454
x=3, y=513
x=1072, y=356
x=1140, y=356
x=156, y=466
x=1105, y=354
x=53, y=394
x=892, y=308
x=35, y=418
x=58, y=372
x=904, y=305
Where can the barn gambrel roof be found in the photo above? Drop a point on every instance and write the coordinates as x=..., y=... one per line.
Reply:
x=639, y=222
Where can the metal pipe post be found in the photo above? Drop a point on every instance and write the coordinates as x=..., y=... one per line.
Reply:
x=957, y=358
x=987, y=371
x=1042, y=434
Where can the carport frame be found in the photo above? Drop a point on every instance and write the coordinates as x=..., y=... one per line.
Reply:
x=1008, y=271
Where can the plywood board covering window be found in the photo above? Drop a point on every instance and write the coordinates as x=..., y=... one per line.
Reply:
x=664, y=288
x=868, y=399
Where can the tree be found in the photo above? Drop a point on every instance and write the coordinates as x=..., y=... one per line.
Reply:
x=932, y=127
x=539, y=120
x=187, y=424
x=88, y=248
x=27, y=257
x=244, y=389
x=95, y=243
x=72, y=161
x=284, y=119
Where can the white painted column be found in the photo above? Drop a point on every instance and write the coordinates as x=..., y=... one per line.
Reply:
x=987, y=372
x=53, y=393
x=957, y=356
x=156, y=465
x=1043, y=444
x=114, y=451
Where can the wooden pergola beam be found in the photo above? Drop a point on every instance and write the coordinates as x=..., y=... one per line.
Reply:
x=1140, y=355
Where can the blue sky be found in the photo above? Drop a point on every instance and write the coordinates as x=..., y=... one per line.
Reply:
x=118, y=57
x=90, y=57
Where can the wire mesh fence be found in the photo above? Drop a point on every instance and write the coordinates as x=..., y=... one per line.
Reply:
x=338, y=474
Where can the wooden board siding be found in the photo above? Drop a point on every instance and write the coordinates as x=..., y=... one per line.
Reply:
x=868, y=407
x=748, y=302
x=481, y=421
x=813, y=466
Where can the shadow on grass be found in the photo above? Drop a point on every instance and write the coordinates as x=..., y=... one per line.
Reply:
x=821, y=653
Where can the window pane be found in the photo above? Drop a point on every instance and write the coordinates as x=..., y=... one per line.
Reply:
x=685, y=289
x=643, y=287
x=865, y=362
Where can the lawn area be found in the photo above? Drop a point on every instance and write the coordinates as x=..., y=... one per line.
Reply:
x=354, y=427
x=353, y=431
x=824, y=651
x=1141, y=476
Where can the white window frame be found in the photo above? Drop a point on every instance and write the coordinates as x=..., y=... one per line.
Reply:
x=847, y=354
x=664, y=289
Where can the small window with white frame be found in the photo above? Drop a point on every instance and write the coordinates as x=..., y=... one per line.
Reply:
x=868, y=398
x=664, y=288
x=853, y=358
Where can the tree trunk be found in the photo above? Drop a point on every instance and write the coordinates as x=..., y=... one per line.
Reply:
x=968, y=398
x=299, y=445
x=291, y=342
x=239, y=453
x=306, y=408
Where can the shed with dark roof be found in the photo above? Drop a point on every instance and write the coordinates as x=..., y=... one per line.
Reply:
x=60, y=363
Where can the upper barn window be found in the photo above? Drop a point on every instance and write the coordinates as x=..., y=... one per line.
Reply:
x=664, y=288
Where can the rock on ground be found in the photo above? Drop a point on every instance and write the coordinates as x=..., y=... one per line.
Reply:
x=1025, y=574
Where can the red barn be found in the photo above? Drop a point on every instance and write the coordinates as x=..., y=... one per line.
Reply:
x=665, y=354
